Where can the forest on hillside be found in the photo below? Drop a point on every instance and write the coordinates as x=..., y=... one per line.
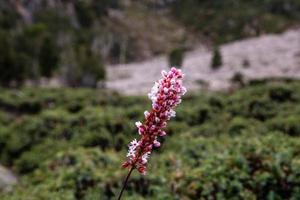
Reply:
x=75, y=40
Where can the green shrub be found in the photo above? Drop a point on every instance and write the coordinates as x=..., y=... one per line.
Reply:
x=101, y=139
x=242, y=145
x=287, y=124
x=237, y=126
x=281, y=94
x=216, y=61
x=238, y=79
x=70, y=175
x=87, y=69
x=84, y=14
x=261, y=109
x=48, y=57
x=256, y=167
x=33, y=159
x=176, y=57
x=13, y=64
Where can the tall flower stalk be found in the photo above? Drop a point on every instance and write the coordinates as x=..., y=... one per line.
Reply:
x=165, y=96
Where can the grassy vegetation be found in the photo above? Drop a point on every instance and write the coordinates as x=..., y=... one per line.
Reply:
x=70, y=143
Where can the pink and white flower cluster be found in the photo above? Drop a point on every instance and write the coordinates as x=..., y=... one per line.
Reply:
x=165, y=95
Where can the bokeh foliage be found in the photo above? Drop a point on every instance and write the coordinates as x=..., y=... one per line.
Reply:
x=70, y=143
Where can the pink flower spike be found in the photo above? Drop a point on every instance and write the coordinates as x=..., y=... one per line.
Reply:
x=165, y=96
x=138, y=124
x=163, y=73
x=146, y=113
x=162, y=133
x=156, y=143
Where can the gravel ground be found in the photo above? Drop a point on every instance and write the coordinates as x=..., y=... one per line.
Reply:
x=268, y=56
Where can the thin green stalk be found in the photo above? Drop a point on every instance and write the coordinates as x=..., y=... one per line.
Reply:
x=125, y=183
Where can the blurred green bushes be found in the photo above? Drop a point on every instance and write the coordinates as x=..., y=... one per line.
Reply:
x=70, y=143
x=176, y=57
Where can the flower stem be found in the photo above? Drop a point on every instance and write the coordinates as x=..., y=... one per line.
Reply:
x=125, y=183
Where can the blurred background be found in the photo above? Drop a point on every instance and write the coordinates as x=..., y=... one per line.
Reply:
x=74, y=75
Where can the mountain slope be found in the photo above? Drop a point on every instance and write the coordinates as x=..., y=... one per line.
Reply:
x=265, y=56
